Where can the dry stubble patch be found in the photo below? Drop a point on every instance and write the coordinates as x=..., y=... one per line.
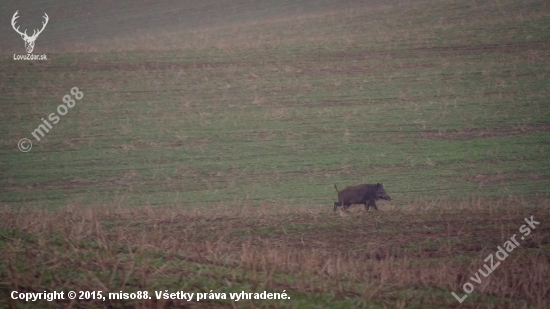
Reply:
x=472, y=133
x=501, y=179
x=402, y=248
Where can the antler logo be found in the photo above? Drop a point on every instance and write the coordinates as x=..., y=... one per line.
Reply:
x=29, y=40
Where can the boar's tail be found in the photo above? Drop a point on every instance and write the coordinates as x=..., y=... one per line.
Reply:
x=335, y=187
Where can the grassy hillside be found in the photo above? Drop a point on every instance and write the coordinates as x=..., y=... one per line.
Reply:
x=438, y=103
x=81, y=26
x=220, y=115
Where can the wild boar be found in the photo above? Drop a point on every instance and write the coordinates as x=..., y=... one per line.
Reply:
x=366, y=194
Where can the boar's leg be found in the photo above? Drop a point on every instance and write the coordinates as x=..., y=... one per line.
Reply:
x=370, y=203
x=346, y=206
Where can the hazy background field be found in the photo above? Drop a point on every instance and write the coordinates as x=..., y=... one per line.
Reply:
x=260, y=106
x=271, y=103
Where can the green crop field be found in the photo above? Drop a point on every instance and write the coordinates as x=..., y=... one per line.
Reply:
x=203, y=153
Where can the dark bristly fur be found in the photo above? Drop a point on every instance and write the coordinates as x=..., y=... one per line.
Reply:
x=365, y=194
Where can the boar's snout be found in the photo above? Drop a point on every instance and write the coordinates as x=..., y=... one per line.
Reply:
x=381, y=193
